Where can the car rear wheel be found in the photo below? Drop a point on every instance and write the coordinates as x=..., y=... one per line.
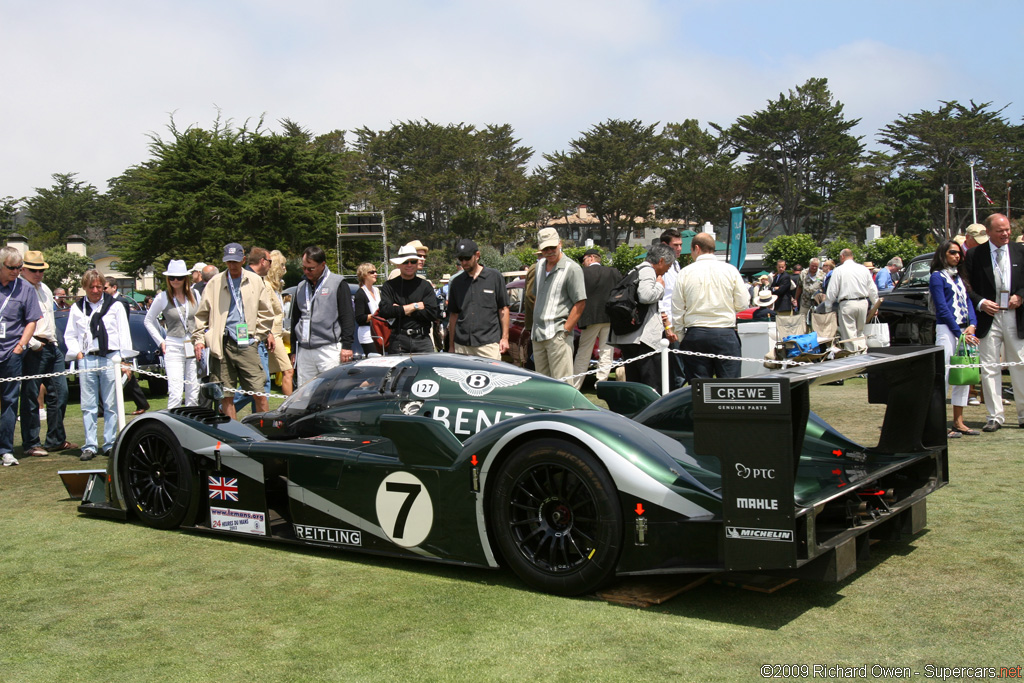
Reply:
x=556, y=517
x=159, y=483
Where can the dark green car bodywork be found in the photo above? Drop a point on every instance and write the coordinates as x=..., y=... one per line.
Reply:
x=420, y=456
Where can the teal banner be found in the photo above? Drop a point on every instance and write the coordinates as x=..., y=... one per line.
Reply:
x=737, y=237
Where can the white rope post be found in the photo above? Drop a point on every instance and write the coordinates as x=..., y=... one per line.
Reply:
x=118, y=392
x=664, y=366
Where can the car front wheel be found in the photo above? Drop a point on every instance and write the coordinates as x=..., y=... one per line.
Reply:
x=556, y=517
x=159, y=482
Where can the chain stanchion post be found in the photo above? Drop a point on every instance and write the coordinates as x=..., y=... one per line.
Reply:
x=664, y=366
x=118, y=373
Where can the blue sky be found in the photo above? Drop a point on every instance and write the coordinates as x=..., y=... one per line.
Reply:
x=87, y=82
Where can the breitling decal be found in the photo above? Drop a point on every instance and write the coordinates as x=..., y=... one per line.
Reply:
x=479, y=382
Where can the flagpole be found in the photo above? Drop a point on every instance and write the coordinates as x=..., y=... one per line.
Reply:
x=974, y=205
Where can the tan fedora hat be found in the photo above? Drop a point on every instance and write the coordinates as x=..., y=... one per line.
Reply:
x=35, y=260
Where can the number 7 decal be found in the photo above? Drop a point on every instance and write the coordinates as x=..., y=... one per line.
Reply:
x=404, y=509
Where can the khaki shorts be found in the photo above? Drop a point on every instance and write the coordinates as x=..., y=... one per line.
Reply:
x=238, y=367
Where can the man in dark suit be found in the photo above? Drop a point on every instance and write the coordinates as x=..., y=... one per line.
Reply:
x=995, y=271
x=594, y=324
x=782, y=287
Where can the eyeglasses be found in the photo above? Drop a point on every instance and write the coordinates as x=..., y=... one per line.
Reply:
x=173, y=278
x=414, y=262
x=32, y=270
x=465, y=258
x=13, y=267
x=952, y=252
x=371, y=272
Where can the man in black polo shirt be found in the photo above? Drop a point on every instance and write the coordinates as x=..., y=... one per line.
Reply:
x=412, y=305
x=477, y=308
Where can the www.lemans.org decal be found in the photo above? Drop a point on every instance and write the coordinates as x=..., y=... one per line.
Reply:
x=479, y=382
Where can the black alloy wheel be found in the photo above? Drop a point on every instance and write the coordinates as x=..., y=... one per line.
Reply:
x=158, y=480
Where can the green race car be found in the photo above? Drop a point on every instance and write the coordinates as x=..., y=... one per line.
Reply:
x=475, y=462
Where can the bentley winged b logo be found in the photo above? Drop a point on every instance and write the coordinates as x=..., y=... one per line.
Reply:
x=478, y=382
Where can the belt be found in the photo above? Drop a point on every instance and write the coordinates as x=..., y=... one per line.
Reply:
x=855, y=298
x=44, y=340
x=97, y=353
x=412, y=334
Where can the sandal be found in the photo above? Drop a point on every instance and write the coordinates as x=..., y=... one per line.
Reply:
x=953, y=434
x=968, y=432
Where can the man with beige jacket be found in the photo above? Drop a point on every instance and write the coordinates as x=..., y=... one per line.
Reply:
x=233, y=316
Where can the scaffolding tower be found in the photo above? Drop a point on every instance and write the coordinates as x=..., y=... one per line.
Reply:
x=361, y=225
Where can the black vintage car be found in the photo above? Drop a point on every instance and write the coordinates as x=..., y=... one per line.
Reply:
x=149, y=352
x=905, y=308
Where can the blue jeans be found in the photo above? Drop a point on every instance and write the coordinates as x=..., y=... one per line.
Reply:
x=724, y=341
x=96, y=387
x=242, y=400
x=9, y=367
x=47, y=359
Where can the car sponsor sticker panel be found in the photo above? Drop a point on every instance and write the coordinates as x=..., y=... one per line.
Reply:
x=404, y=509
x=241, y=521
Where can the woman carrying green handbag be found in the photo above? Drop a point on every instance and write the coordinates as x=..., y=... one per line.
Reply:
x=954, y=318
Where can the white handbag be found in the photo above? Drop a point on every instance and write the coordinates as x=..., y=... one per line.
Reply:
x=877, y=334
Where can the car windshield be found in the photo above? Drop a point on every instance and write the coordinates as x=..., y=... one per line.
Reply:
x=299, y=401
x=917, y=274
x=332, y=388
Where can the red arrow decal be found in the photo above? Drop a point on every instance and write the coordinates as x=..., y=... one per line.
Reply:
x=837, y=471
x=639, y=509
x=473, y=461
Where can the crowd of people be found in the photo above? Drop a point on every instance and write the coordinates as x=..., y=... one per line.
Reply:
x=228, y=326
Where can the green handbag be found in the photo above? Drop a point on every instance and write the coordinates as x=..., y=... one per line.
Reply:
x=965, y=354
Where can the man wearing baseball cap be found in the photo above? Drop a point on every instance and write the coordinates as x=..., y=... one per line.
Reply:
x=233, y=315
x=477, y=307
x=42, y=356
x=561, y=298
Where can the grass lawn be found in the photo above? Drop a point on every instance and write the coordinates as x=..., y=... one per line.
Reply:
x=87, y=599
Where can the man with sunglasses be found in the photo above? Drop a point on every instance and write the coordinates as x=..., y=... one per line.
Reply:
x=132, y=390
x=412, y=305
x=477, y=308
x=43, y=356
x=19, y=311
x=323, y=320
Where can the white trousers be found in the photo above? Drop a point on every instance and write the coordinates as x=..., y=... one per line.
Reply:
x=588, y=335
x=945, y=339
x=181, y=373
x=852, y=316
x=311, y=362
x=1002, y=337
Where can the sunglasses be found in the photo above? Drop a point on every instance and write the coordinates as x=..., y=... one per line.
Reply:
x=548, y=250
x=13, y=267
x=412, y=262
x=371, y=272
x=465, y=258
x=32, y=270
x=175, y=277
x=952, y=252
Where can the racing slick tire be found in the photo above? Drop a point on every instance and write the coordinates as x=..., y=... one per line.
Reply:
x=556, y=517
x=160, y=485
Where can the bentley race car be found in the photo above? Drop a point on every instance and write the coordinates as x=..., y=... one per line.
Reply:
x=474, y=462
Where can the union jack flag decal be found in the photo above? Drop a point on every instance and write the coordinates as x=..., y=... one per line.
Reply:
x=222, y=488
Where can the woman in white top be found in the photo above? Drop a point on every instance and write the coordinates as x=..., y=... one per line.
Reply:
x=177, y=306
x=278, y=360
x=366, y=302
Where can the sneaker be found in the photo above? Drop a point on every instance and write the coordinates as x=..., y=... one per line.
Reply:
x=87, y=454
x=9, y=460
x=973, y=402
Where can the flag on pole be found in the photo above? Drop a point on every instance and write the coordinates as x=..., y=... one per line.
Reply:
x=978, y=187
x=737, y=237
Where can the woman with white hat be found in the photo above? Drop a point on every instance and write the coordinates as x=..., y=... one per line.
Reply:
x=176, y=306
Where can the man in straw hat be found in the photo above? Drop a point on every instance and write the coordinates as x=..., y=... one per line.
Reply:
x=43, y=356
x=561, y=297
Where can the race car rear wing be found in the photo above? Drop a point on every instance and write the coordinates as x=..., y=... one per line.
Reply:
x=756, y=426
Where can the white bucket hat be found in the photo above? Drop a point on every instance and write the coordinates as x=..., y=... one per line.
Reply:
x=404, y=254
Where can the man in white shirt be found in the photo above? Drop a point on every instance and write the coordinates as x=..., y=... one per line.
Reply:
x=96, y=333
x=43, y=356
x=852, y=288
x=708, y=294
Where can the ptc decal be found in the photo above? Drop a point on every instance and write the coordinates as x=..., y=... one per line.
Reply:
x=744, y=472
x=479, y=382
